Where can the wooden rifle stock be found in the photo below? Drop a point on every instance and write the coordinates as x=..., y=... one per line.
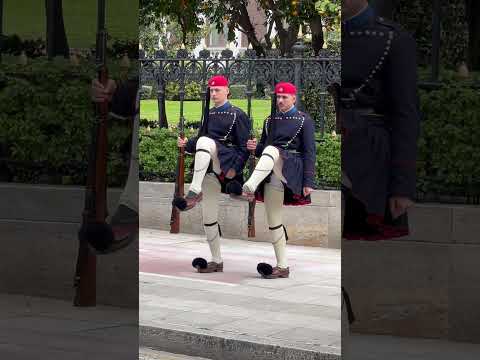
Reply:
x=95, y=208
x=271, y=122
x=179, y=187
x=180, y=175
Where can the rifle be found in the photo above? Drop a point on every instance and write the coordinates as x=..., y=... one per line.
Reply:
x=180, y=171
x=179, y=181
x=251, y=158
x=270, y=126
x=94, y=227
x=203, y=130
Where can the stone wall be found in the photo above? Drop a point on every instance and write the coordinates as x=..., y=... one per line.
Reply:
x=38, y=227
x=317, y=224
x=425, y=285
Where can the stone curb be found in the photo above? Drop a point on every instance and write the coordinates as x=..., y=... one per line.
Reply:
x=205, y=344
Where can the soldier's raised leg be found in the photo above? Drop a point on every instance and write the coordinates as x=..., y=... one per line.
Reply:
x=205, y=152
x=268, y=162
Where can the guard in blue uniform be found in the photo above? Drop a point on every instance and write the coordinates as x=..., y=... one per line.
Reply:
x=379, y=120
x=378, y=115
x=285, y=172
x=220, y=156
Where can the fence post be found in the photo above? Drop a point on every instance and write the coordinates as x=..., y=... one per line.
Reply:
x=298, y=50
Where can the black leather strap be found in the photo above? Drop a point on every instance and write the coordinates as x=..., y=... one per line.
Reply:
x=276, y=227
x=203, y=150
x=270, y=156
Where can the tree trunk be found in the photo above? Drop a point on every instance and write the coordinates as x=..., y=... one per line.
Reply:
x=317, y=34
x=245, y=23
x=473, y=15
x=56, y=37
x=163, y=121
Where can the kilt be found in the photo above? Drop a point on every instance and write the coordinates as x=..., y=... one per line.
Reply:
x=358, y=224
x=292, y=172
x=227, y=156
x=366, y=160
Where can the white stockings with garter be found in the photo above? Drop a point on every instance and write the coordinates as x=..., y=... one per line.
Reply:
x=273, y=195
x=211, y=195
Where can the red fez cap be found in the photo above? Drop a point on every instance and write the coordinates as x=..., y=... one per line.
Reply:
x=285, y=88
x=218, y=80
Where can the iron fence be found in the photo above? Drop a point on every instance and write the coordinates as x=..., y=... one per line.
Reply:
x=252, y=72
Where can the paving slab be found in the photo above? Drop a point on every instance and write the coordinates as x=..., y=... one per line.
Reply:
x=380, y=347
x=237, y=314
x=35, y=327
x=151, y=354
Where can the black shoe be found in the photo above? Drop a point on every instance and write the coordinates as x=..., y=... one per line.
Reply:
x=106, y=238
x=188, y=202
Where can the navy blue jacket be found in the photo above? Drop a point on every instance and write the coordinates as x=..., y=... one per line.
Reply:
x=293, y=132
x=228, y=126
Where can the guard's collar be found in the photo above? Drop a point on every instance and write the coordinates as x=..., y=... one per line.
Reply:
x=290, y=112
x=223, y=107
x=360, y=20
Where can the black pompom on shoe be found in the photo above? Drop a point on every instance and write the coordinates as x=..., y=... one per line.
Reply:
x=99, y=236
x=199, y=263
x=233, y=187
x=264, y=269
x=180, y=203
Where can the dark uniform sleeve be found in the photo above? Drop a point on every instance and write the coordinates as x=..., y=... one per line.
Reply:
x=309, y=153
x=242, y=133
x=191, y=145
x=263, y=139
x=402, y=95
x=123, y=104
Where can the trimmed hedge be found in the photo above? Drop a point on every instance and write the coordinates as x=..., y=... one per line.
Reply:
x=314, y=100
x=158, y=154
x=449, y=146
x=45, y=121
x=328, y=161
x=158, y=157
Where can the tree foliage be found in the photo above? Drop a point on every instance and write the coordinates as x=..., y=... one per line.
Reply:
x=287, y=16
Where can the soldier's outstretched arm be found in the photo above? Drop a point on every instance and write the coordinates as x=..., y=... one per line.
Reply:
x=405, y=118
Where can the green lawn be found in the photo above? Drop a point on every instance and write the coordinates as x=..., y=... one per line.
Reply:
x=192, y=110
x=27, y=19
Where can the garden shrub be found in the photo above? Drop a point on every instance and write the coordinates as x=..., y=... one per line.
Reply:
x=45, y=120
x=449, y=149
